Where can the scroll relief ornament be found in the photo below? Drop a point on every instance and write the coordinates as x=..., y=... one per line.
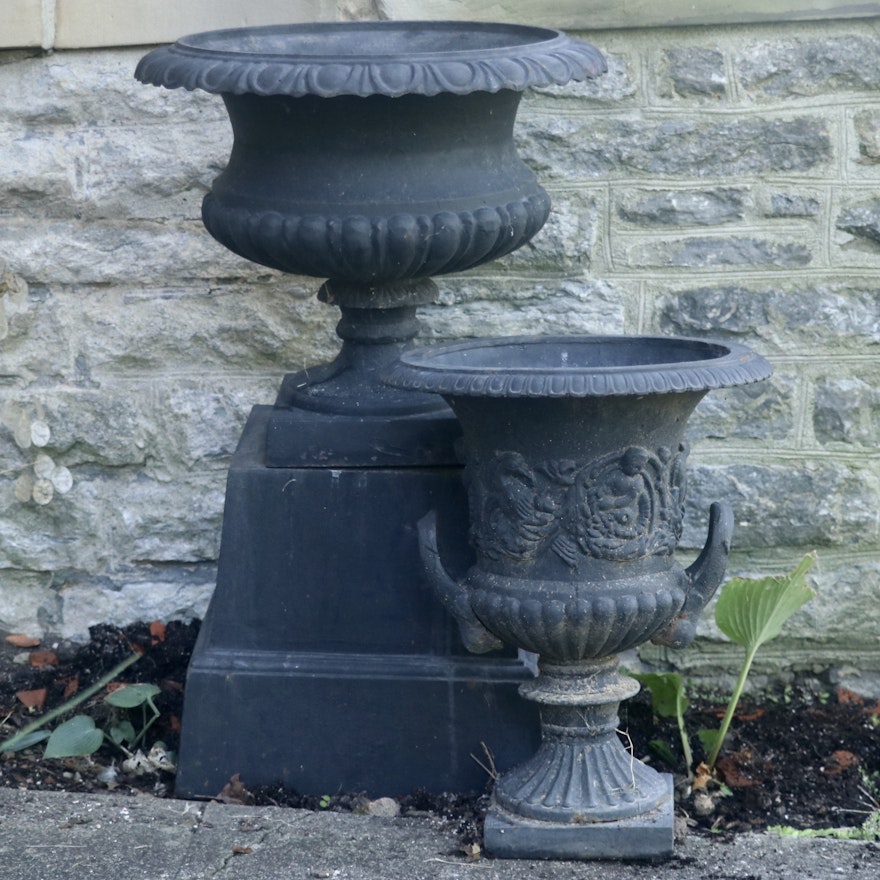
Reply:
x=622, y=506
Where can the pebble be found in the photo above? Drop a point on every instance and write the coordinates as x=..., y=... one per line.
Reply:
x=385, y=806
x=703, y=804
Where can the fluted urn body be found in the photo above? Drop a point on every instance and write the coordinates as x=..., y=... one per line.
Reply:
x=576, y=475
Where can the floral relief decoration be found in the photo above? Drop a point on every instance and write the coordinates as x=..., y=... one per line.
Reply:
x=622, y=506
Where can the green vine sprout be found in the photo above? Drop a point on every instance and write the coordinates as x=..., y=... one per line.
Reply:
x=78, y=736
x=668, y=700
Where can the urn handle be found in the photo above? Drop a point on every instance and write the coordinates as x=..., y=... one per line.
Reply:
x=451, y=593
x=704, y=576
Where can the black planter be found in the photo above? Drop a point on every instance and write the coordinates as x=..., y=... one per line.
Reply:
x=575, y=468
x=374, y=155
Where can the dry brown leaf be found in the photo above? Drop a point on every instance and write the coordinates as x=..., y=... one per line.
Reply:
x=21, y=641
x=473, y=851
x=34, y=700
x=702, y=777
x=238, y=850
x=43, y=658
x=845, y=695
x=157, y=632
x=839, y=761
x=736, y=772
x=234, y=792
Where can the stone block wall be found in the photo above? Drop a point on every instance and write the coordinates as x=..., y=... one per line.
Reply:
x=733, y=181
x=717, y=182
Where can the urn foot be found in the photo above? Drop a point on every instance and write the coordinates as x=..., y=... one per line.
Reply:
x=378, y=323
x=645, y=836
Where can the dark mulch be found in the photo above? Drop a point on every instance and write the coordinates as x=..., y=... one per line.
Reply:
x=799, y=758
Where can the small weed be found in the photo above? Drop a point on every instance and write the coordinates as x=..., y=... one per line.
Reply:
x=489, y=766
x=668, y=700
x=33, y=733
x=79, y=736
x=750, y=612
x=868, y=830
x=133, y=697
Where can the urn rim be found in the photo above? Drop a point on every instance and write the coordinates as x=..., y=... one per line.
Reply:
x=362, y=58
x=577, y=366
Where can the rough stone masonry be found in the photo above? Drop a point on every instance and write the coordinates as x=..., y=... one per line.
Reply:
x=718, y=182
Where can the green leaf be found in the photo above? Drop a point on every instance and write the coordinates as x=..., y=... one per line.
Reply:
x=131, y=696
x=663, y=751
x=667, y=692
x=864, y=832
x=122, y=732
x=78, y=736
x=16, y=744
x=871, y=826
x=709, y=739
x=752, y=612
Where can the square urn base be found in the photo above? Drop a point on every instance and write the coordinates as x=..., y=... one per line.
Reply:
x=325, y=662
x=648, y=836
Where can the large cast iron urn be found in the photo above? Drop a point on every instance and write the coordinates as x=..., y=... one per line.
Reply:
x=373, y=155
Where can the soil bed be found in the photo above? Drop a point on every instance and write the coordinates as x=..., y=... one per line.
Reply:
x=800, y=758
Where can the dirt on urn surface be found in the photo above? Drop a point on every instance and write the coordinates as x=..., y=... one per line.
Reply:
x=799, y=758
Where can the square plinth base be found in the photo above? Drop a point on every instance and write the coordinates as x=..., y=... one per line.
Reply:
x=325, y=663
x=649, y=836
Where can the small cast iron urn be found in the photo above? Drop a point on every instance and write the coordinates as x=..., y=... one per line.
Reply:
x=575, y=469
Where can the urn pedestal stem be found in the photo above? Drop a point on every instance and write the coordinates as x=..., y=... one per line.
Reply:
x=583, y=793
x=376, y=325
x=582, y=771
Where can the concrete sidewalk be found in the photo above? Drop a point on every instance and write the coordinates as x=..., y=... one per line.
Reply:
x=61, y=836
